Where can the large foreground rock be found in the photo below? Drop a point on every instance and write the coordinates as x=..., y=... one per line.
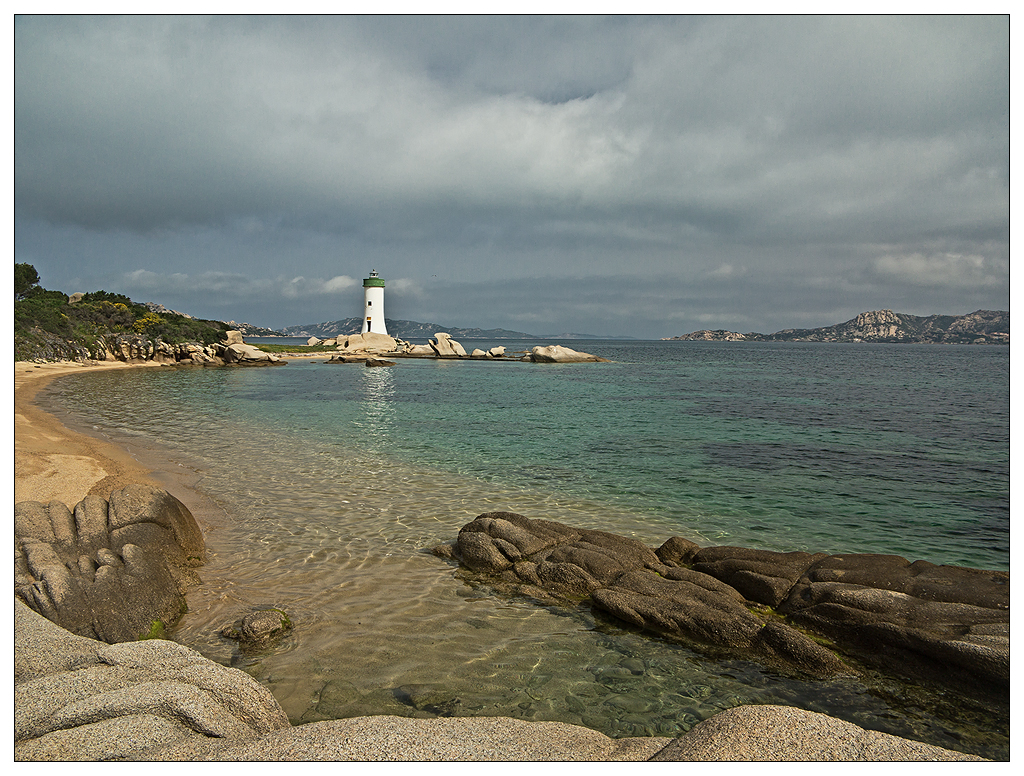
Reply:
x=631, y=581
x=783, y=733
x=945, y=624
x=111, y=570
x=79, y=699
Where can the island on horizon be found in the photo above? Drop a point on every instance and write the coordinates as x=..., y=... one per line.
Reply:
x=979, y=327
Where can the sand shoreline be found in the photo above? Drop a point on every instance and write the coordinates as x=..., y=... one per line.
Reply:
x=53, y=461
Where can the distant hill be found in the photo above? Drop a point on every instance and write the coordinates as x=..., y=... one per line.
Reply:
x=409, y=330
x=979, y=327
x=249, y=330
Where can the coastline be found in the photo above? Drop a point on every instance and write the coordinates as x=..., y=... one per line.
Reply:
x=57, y=461
x=53, y=461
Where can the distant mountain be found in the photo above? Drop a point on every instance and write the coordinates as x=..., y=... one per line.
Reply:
x=981, y=326
x=248, y=330
x=409, y=330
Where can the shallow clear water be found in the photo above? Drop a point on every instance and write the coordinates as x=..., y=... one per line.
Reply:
x=338, y=479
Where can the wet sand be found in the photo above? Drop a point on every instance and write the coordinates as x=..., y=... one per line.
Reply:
x=55, y=462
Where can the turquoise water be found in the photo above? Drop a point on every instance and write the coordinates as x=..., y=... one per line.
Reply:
x=338, y=479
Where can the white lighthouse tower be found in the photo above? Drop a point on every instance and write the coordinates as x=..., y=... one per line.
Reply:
x=373, y=307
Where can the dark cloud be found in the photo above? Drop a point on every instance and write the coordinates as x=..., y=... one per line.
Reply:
x=761, y=169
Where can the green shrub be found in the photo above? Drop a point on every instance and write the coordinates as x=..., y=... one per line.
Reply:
x=25, y=279
x=46, y=326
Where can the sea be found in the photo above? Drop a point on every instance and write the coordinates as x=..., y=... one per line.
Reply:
x=333, y=482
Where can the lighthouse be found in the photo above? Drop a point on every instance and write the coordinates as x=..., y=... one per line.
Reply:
x=373, y=305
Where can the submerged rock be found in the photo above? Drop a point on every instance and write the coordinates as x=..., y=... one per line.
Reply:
x=943, y=623
x=260, y=629
x=627, y=579
x=946, y=624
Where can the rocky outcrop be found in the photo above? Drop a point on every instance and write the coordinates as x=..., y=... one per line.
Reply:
x=717, y=335
x=240, y=353
x=629, y=580
x=80, y=699
x=370, y=342
x=445, y=347
x=876, y=325
x=419, y=351
x=783, y=733
x=559, y=354
x=112, y=570
x=441, y=345
x=76, y=699
x=945, y=624
x=497, y=352
x=761, y=576
x=137, y=348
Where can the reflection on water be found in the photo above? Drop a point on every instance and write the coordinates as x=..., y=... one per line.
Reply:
x=378, y=410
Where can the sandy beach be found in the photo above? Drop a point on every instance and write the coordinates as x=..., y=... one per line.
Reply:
x=52, y=461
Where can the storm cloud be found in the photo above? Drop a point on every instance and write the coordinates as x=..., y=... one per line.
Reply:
x=622, y=176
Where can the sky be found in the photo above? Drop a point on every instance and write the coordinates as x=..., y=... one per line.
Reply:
x=616, y=176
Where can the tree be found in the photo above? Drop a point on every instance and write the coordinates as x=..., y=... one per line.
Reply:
x=25, y=279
